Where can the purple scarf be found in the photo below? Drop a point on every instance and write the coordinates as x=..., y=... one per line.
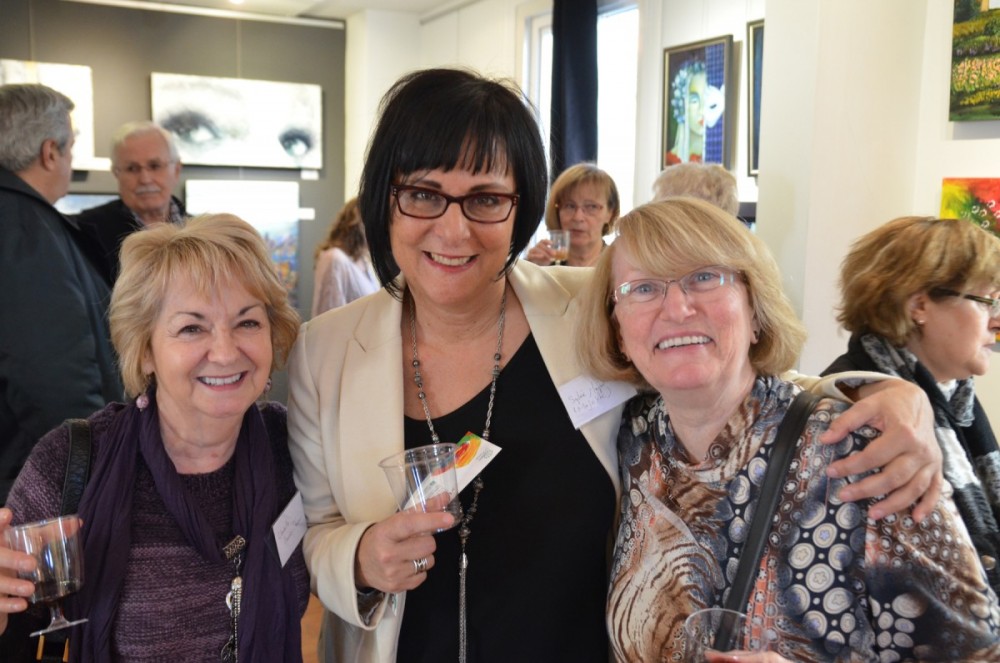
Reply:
x=269, y=628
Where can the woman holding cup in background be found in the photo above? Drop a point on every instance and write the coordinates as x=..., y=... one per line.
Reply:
x=583, y=202
x=688, y=302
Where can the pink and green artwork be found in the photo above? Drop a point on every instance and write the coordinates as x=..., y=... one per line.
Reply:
x=975, y=199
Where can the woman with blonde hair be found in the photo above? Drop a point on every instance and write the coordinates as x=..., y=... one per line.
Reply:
x=687, y=305
x=189, y=476
x=584, y=201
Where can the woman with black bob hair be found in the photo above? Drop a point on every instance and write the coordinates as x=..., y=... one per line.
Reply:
x=462, y=338
x=447, y=119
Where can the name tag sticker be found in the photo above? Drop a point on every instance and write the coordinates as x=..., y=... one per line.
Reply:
x=472, y=455
x=290, y=527
x=587, y=398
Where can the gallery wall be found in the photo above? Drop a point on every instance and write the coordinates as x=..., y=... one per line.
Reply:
x=123, y=46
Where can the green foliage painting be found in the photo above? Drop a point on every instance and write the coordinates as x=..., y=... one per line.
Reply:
x=975, y=61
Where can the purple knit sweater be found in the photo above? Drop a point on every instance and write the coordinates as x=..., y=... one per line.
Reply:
x=173, y=601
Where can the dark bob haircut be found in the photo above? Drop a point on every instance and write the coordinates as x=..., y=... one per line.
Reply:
x=447, y=119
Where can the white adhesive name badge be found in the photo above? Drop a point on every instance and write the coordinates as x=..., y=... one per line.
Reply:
x=587, y=398
x=290, y=527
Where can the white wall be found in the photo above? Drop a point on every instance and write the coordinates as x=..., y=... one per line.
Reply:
x=381, y=46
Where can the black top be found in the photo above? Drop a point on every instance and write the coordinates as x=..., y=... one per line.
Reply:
x=106, y=227
x=538, y=570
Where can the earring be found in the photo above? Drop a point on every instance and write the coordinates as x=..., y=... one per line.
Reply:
x=919, y=323
x=142, y=401
x=267, y=386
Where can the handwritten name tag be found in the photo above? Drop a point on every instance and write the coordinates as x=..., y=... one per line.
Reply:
x=290, y=527
x=587, y=398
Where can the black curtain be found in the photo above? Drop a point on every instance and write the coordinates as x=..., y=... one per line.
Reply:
x=573, y=125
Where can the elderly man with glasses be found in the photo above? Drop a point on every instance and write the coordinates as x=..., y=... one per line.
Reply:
x=145, y=162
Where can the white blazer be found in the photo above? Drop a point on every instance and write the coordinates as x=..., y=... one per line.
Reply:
x=346, y=414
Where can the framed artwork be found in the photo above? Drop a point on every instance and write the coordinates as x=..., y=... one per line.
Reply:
x=975, y=61
x=241, y=122
x=755, y=65
x=73, y=80
x=695, y=122
x=270, y=207
x=974, y=198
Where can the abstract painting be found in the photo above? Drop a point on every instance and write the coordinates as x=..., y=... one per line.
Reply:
x=974, y=198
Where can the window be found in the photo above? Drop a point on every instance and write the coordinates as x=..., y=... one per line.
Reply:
x=617, y=63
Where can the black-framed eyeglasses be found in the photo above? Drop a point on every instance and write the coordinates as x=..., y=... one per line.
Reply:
x=992, y=305
x=699, y=281
x=481, y=207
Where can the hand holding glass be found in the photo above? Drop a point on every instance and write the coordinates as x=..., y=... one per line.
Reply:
x=55, y=545
x=559, y=243
x=423, y=479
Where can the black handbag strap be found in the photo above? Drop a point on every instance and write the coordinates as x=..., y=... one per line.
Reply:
x=789, y=430
x=77, y=465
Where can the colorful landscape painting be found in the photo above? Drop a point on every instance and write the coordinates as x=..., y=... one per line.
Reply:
x=975, y=199
x=975, y=61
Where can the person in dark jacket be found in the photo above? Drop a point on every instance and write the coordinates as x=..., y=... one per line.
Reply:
x=921, y=298
x=56, y=359
x=145, y=162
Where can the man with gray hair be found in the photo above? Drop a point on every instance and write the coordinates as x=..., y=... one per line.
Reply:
x=56, y=359
x=145, y=162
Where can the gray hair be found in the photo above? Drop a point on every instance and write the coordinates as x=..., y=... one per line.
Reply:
x=130, y=129
x=31, y=114
x=707, y=181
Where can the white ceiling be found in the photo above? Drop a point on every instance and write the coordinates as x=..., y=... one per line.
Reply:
x=328, y=9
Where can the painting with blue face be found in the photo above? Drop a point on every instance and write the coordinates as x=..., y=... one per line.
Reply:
x=239, y=122
x=696, y=103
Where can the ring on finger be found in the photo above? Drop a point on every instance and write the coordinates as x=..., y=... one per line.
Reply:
x=419, y=565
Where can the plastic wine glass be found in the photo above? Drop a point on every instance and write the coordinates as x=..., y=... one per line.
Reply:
x=559, y=243
x=55, y=545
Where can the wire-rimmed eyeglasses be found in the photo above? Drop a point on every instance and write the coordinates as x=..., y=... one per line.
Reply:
x=699, y=281
x=589, y=209
x=135, y=169
x=481, y=206
x=992, y=305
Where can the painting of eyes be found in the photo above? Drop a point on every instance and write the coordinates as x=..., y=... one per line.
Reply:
x=241, y=122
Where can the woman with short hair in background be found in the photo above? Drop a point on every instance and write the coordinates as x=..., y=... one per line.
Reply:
x=921, y=298
x=584, y=201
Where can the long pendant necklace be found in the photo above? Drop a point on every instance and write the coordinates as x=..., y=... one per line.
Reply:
x=477, y=485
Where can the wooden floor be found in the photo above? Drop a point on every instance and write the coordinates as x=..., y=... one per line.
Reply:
x=310, y=630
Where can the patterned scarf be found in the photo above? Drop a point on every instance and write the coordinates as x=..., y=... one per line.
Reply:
x=969, y=448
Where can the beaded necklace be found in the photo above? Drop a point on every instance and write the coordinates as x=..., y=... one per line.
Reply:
x=477, y=485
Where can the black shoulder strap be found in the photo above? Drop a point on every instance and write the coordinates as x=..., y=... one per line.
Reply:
x=77, y=464
x=789, y=430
